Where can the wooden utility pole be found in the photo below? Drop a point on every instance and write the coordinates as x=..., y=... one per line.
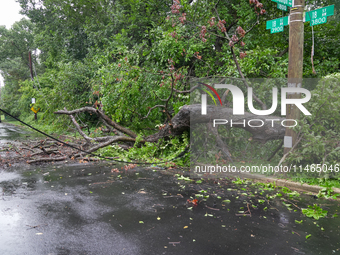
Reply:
x=30, y=65
x=295, y=67
x=32, y=77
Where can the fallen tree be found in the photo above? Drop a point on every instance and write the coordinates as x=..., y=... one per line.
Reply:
x=188, y=114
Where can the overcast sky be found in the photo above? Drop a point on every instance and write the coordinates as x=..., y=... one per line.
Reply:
x=9, y=13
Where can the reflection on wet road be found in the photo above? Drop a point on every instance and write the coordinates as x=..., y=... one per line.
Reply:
x=9, y=132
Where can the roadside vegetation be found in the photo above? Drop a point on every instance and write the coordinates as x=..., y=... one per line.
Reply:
x=118, y=75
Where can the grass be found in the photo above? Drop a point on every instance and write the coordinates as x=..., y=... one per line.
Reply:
x=329, y=183
x=303, y=178
x=38, y=124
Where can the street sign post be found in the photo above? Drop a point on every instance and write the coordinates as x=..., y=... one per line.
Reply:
x=35, y=110
x=295, y=69
x=276, y=25
x=296, y=42
x=289, y=3
x=319, y=16
x=315, y=17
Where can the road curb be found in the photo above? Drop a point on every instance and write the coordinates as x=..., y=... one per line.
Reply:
x=286, y=183
x=298, y=186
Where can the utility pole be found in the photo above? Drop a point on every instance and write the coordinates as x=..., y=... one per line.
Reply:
x=32, y=77
x=295, y=68
x=30, y=65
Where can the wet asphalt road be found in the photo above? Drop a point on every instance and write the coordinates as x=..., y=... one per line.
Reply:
x=9, y=132
x=85, y=209
x=90, y=209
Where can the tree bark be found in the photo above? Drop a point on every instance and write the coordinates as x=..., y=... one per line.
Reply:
x=191, y=115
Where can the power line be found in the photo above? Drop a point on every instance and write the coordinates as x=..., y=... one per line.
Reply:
x=95, y=155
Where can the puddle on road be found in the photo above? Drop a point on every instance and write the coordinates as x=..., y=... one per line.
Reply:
x=87, y=209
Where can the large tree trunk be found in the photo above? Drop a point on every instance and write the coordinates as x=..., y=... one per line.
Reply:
x=191, y=115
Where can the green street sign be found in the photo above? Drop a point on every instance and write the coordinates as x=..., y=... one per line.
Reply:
x=289, y=3
x=319, y=16
x=276, y=29
x=318, y=21
x=276, y=23
x=282, y=7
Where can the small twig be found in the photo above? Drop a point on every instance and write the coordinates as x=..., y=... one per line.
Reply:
x=25, y=148
x=174, y=243
x=46, y=160
x=291, y=203
x=152, y=109
x=186, y=91
x=215, y=209
x=174, y=196
x=277, y=149
x=249, y=209
x=274, y=208
x=242, y=214
x=16, y=149
x=296, y=233
x=285, y=155
x=35, y=226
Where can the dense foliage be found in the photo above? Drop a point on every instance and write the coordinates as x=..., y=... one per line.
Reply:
x=126, y=56
x=321, y=131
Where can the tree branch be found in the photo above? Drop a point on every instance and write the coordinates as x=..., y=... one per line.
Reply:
x=100, y=114
x=110, y=141
x=263, y=105
x=186, y=91
x=152, y=109
x=283, y=52
x=75, y=123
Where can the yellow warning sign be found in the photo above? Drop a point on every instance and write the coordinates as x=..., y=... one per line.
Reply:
x=34, y=110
